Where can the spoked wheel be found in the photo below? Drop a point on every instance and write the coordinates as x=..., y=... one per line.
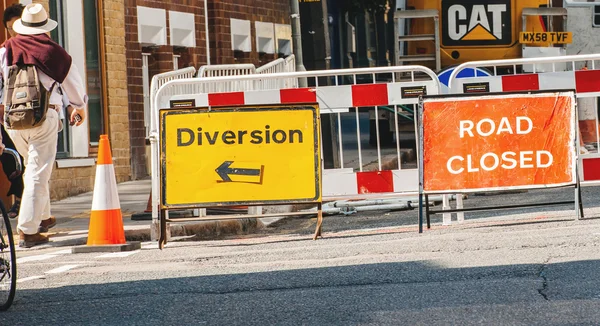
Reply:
x=8, y=262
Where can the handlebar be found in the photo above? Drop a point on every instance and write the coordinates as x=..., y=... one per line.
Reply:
x=17, y=157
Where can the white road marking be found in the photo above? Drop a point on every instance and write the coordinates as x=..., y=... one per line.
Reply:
x=78, y=232
x=118, y=254
x=42, y=257
x=61, y=269
x=61, y=252
x=30, y=278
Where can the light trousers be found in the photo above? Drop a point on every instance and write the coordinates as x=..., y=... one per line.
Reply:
x=38, y=148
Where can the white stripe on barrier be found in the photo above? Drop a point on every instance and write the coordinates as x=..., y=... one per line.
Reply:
x=334, y=97
x=406, y=180
x=105, y=198
x=339, y=182
x=262, y=97
x=557, y=80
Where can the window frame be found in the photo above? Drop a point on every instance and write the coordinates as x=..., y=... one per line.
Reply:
x=57, y=13
x=99, y=6
x=596, y=15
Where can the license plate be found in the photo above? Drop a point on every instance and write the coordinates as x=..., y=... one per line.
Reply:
x=546, y=37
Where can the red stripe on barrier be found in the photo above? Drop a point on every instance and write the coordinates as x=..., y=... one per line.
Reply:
x=587, y=81
x=591, y=169
x=527, y=82
x=224, y=99
x=298, y=95
x=375, y=182
x=370, y=95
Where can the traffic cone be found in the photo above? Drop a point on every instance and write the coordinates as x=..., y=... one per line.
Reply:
x=106, y=221
x=106, y=232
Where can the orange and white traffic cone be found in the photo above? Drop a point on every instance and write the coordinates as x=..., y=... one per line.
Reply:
x=106, y=221
x=106, y=231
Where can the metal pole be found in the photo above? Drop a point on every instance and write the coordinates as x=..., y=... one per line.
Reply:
x=297, y=40
x=206, y=32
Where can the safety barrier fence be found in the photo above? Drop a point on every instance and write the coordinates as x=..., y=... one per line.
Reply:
x=364, y=171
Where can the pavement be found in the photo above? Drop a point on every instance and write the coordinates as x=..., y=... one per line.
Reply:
x=73, y=219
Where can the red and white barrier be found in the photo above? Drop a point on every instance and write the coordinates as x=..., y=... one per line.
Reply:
x=331, y=99
x=386, y=89
x=585, y=82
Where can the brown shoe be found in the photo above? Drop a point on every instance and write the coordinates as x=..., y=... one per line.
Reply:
x=30, y=240
x=47, y=224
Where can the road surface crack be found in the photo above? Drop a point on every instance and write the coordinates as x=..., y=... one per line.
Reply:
x=542, y=274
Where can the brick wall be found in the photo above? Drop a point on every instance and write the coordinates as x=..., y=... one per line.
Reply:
x=220, y=11
x=160, y=60
x=116, y=79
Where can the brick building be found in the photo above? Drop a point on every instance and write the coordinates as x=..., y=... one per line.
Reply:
x=95, y=38
x=118, y=45
x=162, y=36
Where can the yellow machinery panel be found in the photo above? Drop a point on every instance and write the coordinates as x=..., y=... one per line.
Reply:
x=475, y=29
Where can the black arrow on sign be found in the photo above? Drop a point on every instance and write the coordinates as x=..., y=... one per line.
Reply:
x=224, y=171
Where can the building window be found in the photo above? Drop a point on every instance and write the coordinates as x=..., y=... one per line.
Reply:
x=93, y=71
x=596, y=22
x=58, y=35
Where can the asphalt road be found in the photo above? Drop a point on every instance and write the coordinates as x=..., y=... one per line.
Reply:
x=538, y=270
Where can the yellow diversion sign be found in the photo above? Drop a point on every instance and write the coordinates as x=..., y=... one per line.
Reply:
x=542, y=37
x=240, y=156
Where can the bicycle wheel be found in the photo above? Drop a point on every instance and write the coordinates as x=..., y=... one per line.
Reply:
x=8, y=262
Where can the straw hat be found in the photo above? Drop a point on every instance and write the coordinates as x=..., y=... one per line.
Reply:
x=34, y=20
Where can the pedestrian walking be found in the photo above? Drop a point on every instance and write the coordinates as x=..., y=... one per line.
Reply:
x=11, y=14
x=31, y=114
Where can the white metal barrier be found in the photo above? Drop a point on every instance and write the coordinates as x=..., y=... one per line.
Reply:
x=276, y=66
x=383, y=88
x=157, y=81
x=280, y=65
x=226, y=70
x=578, y=72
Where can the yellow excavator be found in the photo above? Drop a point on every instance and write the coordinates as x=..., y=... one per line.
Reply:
x=445, y=33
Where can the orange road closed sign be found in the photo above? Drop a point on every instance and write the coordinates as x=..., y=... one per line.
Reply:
x=498, y=142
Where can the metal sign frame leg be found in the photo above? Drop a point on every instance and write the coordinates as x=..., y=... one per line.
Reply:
x=427, y=215
x=162, y=241
x=419, y=116
x=319, y=221
x=578, y=198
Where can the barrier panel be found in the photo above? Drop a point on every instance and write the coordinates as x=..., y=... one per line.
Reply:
x=495, y=142
x=578, y=72
x=347, y=179
x=360, y=172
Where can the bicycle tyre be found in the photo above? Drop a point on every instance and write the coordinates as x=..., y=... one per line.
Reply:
x=13, y=257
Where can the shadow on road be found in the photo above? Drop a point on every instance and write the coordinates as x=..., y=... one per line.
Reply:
x=387, y=293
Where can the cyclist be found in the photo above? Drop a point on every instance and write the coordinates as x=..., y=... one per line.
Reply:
x=11, y=14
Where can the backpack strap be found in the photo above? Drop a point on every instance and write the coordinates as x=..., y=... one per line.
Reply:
x=52, y=87
x=12, y=76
